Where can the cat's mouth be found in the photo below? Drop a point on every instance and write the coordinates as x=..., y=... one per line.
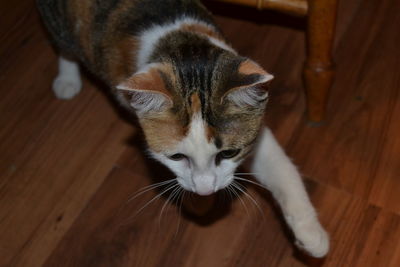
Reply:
x=205, y=191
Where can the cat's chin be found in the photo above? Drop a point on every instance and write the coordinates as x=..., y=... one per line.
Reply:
x=204, y=193
x=201, y=191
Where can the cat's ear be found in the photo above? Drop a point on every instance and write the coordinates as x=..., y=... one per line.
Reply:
x=146, y=91
x=250, y=85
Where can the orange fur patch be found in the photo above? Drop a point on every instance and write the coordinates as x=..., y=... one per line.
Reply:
x=196, y=104
x=210, y=133
x=150, y=80
x=250, y=67
x=162, y=132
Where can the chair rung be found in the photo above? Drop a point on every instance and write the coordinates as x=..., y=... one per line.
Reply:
x=294, y=7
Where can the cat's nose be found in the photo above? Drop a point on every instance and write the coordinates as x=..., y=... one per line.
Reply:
x=204, y=185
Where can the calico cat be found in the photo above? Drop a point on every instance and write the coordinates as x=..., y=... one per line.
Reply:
x=200, y=104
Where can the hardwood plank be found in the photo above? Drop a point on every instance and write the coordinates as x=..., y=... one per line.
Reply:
x=54, y=154
x=348, y=151
x=361, y=234
x=142, y=243
x=104, y=237
x=385, y=190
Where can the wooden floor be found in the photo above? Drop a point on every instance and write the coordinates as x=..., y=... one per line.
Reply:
x=67, y=168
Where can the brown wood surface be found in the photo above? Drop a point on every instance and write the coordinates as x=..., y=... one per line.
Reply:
x=67, y=168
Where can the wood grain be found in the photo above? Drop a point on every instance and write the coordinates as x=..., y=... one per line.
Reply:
x=54, y=154
x=67, y=168
x=355, y=151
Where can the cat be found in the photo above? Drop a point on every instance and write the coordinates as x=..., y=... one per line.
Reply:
x=199, y=102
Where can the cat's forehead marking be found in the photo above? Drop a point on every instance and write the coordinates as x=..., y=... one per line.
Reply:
x=195, y=103
x=196, y=144
x=196, y=108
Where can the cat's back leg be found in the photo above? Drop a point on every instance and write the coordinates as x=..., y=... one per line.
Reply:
x=68, y=82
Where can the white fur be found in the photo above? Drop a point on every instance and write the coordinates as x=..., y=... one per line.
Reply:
x=149, y=38
x=144, y=102
x=199, y=173
x=220, y=43
x=247, y=97
x=68, y=82
x=275, y=170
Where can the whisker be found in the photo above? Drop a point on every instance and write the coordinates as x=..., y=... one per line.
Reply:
x=251, y=182
x=170, y=197
x=228, y=190
x=232, y=188
x=176, y=197
x=248, y=195
x=224, y=195
x=155, y=184
x=228, y=194
x=179, y=210
x=156, y=197
x=148, y=188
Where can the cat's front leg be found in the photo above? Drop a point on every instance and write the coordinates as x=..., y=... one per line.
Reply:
x=275, y=170
x=68, y=82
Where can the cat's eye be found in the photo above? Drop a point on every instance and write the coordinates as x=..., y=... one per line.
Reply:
x=177, y=156
x=227, y=154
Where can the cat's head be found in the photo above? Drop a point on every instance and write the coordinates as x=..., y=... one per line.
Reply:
x=200, y=118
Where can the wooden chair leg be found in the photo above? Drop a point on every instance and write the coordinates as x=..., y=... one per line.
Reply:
x=319, y=68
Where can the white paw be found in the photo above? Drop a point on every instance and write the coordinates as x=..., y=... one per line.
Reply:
x=311, y=237
x=66, y=87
